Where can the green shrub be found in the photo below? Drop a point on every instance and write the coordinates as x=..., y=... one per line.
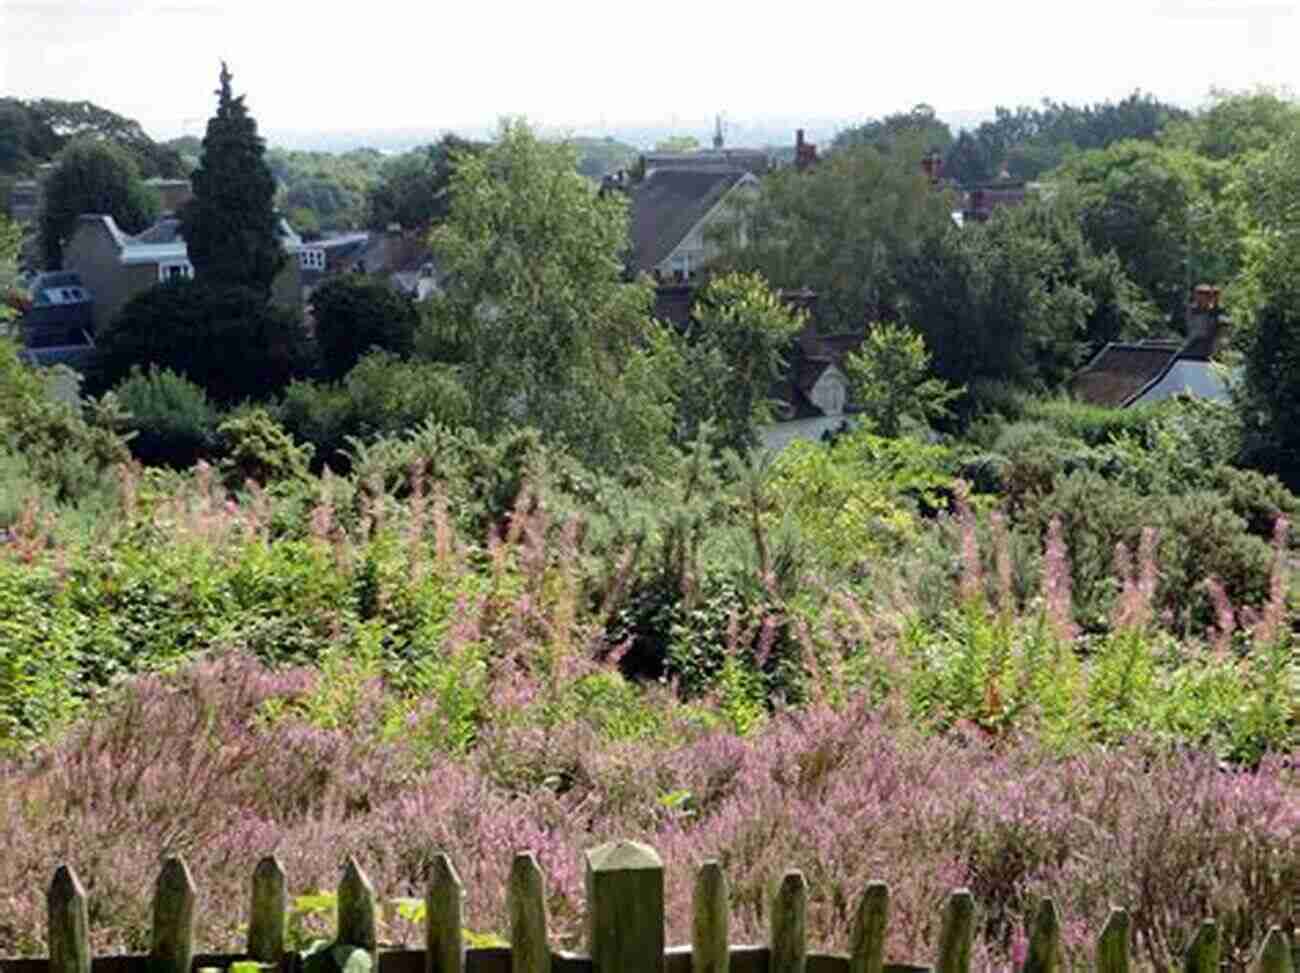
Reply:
x=255, y=447
x=173, y=422
x=356, y=313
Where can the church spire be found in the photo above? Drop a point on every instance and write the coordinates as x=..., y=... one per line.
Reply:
x=717, y=133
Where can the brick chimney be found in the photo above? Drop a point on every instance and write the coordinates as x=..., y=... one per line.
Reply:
x=1205, y=324
x=805, y=153
x=932, y=165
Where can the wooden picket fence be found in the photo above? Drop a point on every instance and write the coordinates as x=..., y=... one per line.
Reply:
x=625, y=928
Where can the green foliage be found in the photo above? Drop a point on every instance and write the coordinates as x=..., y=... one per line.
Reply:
x=230, y=227
x=890, y=380
x=256, y=447
x=11, y=237
x=678, y=143
x=323, y=191
x=1019, y=299
x=1030, y=141
x=918, y=127
x=66, y=446
x=600, y=157
x=172, y=421
x=355, y=313
x=382, y=395
x=227, y=340
x=840, y=228
x=413, y=190
x=730, y=358
x=1238, y=123
x=92, y=177
x=1157, y=209
x=534, y=309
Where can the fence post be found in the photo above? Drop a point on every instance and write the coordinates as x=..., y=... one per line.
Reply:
x=1112, y=944
x=711, y=921
x=789, y=925
x=526, y=900
x=266, y=915
x=68, y=929
x=867, y=946
x=1044, y=954
x=625, y=908
x=357, y=911
x=444, y=904
x=1275, y=954
x=1203, y=954
x=173, y=919
x=956, y=933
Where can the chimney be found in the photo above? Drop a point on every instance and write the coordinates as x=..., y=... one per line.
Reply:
x=932, y=165
x=805, y=153
x=1204, y=322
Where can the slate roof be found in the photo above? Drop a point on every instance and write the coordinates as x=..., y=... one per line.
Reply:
x=669, y=204
x=1119, y=372
x=166, y=230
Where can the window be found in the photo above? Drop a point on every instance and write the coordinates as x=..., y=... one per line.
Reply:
x=176, y=270
x=311, y=258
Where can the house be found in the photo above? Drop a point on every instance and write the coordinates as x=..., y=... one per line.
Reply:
x=116, y=266
x=813, y=396
x=1136, y=373
x=671, y=211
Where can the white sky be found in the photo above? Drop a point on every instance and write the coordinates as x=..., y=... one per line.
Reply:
x=377, y=64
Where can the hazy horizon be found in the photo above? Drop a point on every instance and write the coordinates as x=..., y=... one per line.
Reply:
x=590, y=69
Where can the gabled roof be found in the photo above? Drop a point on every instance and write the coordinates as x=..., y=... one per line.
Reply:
x=669, y=204
x=1119, y=372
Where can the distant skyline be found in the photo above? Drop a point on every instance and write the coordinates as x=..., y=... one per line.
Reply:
x=591, y=68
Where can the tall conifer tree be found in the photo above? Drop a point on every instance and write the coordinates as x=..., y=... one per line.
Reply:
x=230, y=227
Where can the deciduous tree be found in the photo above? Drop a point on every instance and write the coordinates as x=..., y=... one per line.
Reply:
x=92, y=177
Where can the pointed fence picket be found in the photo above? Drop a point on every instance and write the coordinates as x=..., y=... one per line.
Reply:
x=625, y=928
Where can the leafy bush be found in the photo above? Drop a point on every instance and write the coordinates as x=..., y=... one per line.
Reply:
x=255, y=447
x=229, y=341
x=173, y=422
x=356, y=313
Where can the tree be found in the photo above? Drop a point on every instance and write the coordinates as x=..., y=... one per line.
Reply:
x=535, y=308
x=92, y=177
x=730, y=358
x=355, y=313
x=11, y=238
x=1237, y=123
x=412, y=190
x=891, y=383
x=678, y=143
x=228, y=340
x=841, y=228
x=1157, y=208
x=919, y=126
x=230, y=226
x=72, y=120
x=1266, y=305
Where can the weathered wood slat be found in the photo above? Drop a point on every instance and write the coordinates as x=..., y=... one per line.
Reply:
x=711, y=921
x=625, y=908
x=444, y=905
x=1044, y=954
x=266, y=915
x=530, y=952
x=1203, y=953
x=1113, y=944
x=867, y=945
x=356, y=906
x=172, y=945
x=956, y=933
x=68, y=928
x=789, y=931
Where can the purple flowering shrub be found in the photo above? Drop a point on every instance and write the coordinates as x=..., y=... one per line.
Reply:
x=338, y=671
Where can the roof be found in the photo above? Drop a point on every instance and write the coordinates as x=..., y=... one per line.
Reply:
x=756, y=161
x=669, y=204
x=1121, y=370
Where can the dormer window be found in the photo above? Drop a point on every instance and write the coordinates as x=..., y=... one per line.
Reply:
x=175, y=270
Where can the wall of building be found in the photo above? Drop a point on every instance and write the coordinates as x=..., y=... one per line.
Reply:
x=93, y=254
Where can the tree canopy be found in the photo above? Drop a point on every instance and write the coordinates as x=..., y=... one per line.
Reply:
x=92, y=176
x=535, y=310
x=230, y=226
x=412, y=189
